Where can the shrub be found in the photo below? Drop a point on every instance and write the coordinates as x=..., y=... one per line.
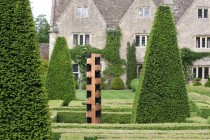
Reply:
x=24, y=113
x=197, y=82
x=117, y=84
x=194, y=108
x=134, y=84
x=84, y=85
x=131, y=64
x=76, y=84
x=207, y=84
x=60, y=79
x=161, y=95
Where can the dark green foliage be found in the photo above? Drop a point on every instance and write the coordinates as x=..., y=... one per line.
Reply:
x=42, y=29
x=56, y=136
x=60, y=80
x=117, y=84
x=208, y=120
x=84, y=85
x=134, y=84
x=207, y=84
x=131, y=64
x=43, y=69
x=78, y=55
x=197, y=82
x=188, y=57
x=76, y=84
x=161, y=95
x=205, y=112
x=111, y=53
x=79, y=117
x=24, y=113
x=90, y=138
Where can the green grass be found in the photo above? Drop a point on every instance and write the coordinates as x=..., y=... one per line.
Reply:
x=108, y=94
x=55, y=103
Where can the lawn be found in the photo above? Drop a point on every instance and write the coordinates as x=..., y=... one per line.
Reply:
x=108, y=94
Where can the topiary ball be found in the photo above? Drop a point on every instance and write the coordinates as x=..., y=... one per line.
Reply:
x=197, y=83
x=117, y=84
x=134, y=84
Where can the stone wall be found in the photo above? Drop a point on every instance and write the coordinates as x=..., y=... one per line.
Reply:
x=44, y=50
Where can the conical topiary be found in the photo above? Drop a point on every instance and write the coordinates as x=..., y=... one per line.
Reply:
x=24, y=113
x=161, y=95
x=60, y=78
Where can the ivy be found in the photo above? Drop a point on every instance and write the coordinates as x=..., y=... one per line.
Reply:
x=78, y=55
x=111, y=53
x=188, y=57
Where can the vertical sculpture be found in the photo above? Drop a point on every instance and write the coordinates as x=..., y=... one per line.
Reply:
x=93, y=114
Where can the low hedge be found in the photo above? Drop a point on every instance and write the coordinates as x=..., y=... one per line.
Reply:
x=207, y=84
x=56, y=136
x=80, y=117
x=153, y=126
x=105, y=109
x=205, y=113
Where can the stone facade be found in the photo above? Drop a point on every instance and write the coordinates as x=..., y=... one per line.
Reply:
x=135, y=22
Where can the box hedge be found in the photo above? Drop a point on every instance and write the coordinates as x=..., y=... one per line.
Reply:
x=161, y=96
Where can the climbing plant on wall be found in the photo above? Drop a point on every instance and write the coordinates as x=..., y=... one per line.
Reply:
x=188, y=57
x=111, y=53
x=78, y=55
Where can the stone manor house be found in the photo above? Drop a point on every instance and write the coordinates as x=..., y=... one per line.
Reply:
x=86, y=21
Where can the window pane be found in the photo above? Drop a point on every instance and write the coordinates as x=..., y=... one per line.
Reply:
x=199, y=13
x=140, y=12
x=208, y=42
x=137, y=40
x=75, y=68
x=143, y=41
x=81, y=40
x=206, y=73
x=75, y=39
x=78, y=12
x=205, y=13
x=87, y=39
x=146, y=12
x=194, y=72
x=200, y=72
x=198, y=42
x=84, y=12
x=203, y=42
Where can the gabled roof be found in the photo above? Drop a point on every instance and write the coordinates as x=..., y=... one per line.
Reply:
x=114, y=10
x=58, y=8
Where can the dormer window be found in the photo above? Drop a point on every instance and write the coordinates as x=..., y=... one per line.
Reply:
x=143, y=12
x=202, y=13
x=82, y=12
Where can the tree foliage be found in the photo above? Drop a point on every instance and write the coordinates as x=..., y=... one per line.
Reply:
x=60, y=80
x=131, y=64
x=42, y=29
x=24, y=113
x=161, y=95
